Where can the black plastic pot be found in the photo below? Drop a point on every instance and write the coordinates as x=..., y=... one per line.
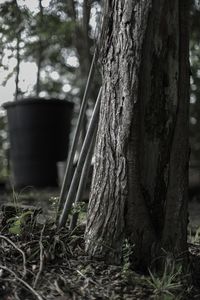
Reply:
x=39, y=137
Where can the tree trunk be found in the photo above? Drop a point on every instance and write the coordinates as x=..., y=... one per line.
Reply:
x=139, y=188
x=40, y=52
x=18, y=57
x=17, y=90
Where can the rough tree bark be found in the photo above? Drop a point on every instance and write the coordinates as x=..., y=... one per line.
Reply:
x=139, y=188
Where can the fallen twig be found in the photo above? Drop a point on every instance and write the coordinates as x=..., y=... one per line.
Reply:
x=58, y=289
x=22, y=281
x=41, y=257
x=87, y=278
x=19, y=250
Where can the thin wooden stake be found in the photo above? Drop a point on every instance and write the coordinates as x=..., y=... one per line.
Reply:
x=83, y=181
x=75, y=180
x=70, y=160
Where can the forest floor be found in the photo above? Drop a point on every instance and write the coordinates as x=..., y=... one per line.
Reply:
x=39, y=262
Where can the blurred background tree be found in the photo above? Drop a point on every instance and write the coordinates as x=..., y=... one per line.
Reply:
x=195, y=84
x=59, y=38
x=13, y=24
x=3, y=150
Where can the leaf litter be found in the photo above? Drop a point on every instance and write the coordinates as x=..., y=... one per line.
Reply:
x=39, y=262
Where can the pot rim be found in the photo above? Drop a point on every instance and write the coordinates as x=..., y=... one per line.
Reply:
x=37, y=100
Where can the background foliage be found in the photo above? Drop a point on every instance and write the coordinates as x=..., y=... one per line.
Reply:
x=59, y=38
x=66, y=31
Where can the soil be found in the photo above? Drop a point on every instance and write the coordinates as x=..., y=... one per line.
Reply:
x=39, y=262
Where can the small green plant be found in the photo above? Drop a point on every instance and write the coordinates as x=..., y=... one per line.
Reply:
x=80, y=207
x=194, y=238
x=80, y=210
x=19, y=217
x=17, y=222
x=167, y=285
x=127, y=252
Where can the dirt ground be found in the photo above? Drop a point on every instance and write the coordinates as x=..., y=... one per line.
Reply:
x=37, y=262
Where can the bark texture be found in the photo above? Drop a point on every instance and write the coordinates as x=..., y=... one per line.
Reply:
x=139, y=187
